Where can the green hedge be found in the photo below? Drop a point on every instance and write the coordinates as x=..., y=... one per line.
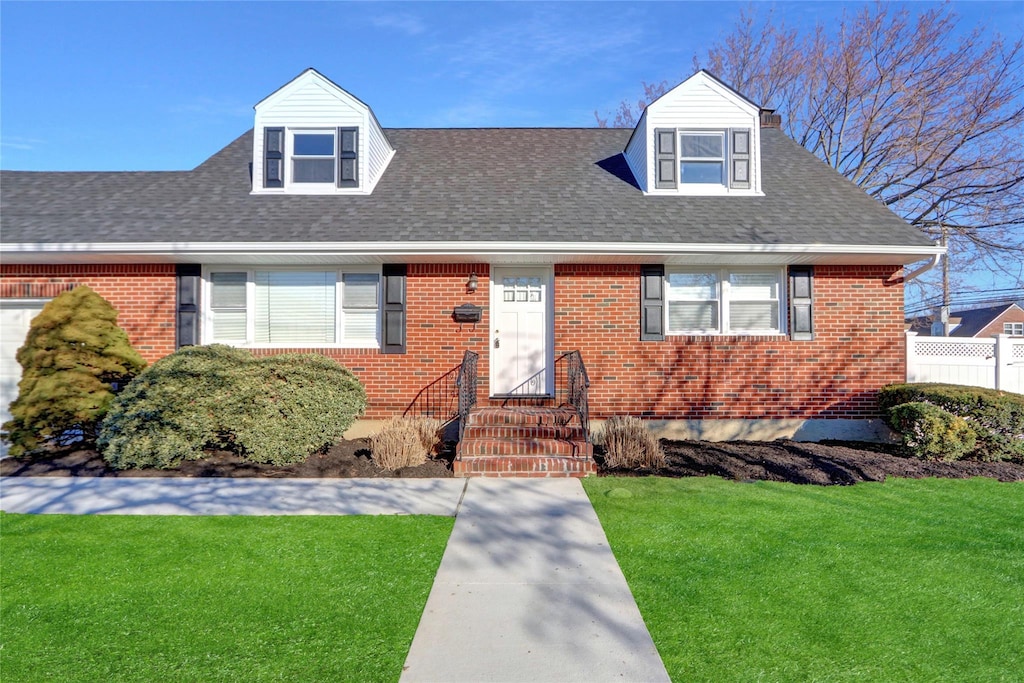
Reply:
x=277, y=409
x=931, y=433
x=996, y=417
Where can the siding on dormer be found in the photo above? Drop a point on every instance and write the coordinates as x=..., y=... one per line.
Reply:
x=699, y=103
x=313, y=102
x=636, y=152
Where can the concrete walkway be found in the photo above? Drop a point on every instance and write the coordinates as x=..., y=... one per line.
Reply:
x=221, y=496
x=528, y=590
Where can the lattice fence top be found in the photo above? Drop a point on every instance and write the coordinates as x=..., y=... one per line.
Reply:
x=1018, y=351
x=957, y=349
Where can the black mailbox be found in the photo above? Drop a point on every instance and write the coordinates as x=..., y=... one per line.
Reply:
x=467, y=313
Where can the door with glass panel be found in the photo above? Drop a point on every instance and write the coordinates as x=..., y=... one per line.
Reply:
x=520, y=332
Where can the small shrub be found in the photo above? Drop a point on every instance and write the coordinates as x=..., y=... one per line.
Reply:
x=997, y=417
x=404, y=442
x=629, y=444
x=73, y=356
x=931, y=433
x=276, y=409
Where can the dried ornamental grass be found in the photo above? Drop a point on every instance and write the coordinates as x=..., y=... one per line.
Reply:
x=629, y=444
x=404, y=442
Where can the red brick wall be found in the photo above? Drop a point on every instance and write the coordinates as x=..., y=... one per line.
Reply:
x=144, y=296
x=858, y=345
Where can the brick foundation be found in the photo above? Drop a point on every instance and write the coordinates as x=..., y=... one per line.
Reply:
x=857, y=346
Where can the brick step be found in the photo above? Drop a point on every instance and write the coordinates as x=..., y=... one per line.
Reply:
x=523, y=466
x=524, y=446
x=521, y=415
x=511, y=431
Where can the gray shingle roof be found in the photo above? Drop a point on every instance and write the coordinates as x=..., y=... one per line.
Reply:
x=549, y=185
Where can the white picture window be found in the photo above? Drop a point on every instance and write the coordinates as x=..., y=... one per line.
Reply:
x=724, y=301
x=313, y=156
x=1016, y=329
x=702, y=158
x=292, y=307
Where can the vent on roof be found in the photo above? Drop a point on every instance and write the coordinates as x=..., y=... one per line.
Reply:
x=769, y=119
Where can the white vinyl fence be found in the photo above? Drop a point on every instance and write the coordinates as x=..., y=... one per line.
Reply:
x=995, y=363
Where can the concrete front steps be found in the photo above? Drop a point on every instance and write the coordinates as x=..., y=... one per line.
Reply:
x=524, y=441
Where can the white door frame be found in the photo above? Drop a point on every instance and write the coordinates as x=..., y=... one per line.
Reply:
x=549, y=323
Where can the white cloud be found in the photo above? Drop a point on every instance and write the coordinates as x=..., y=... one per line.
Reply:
x=403, y=22
x=16, y=142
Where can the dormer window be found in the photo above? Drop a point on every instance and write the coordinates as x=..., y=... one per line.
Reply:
x=313, y=157
x=702, y=158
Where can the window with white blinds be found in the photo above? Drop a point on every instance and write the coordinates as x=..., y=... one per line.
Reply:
x=293, y=307
x=724, y=301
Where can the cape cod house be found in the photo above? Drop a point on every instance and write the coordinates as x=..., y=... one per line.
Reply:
x=713, y=276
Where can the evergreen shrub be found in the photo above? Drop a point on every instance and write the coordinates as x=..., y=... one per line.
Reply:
x=275, y=409
x=73, y=359
x=931, y=433
x=997, y=417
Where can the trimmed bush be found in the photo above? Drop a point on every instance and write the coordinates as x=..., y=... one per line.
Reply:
x=404, y=442
x=73, y=357
x=629, y=444
x=931, y=433
x=997, y=417
x=276, y=409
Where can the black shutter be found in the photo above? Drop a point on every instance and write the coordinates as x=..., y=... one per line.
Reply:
x=652, y=303
x=273, y=157
x=393, y=309
x=187, y=324
x=739, y=153
x=348, y=157
x=665, y=158
x=801, y=319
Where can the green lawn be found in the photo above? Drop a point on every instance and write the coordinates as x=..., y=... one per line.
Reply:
x=910, y=580
x=126, y=598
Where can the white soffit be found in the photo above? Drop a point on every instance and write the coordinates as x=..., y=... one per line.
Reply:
x=311, y=253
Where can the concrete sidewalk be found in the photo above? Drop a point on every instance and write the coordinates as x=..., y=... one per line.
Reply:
x=222, y=496
x=528, y=590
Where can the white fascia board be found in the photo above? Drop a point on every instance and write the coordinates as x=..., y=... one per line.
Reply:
x=170, y=252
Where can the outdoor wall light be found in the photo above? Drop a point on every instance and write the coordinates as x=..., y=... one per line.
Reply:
x=472, y=283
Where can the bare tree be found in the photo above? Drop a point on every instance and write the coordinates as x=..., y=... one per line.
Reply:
x=927, y=120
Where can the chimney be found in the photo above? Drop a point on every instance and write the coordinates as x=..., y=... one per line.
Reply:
x=769, y=119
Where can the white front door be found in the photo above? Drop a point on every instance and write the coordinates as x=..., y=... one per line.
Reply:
x=520, y=331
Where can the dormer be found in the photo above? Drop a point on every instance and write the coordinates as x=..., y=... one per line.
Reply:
x=313, y=137
x=701, y=138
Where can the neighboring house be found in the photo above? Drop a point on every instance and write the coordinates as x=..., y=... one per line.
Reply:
x=976, y=322
x=715, y=276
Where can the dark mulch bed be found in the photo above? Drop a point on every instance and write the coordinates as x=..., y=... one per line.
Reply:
x=826, y=463
x=343, y=460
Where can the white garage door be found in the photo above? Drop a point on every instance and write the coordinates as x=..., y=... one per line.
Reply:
x=15, y=317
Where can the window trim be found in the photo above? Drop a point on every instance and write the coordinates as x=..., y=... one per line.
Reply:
x=1008, y=328
x=724, y=300
x=723, y=133
x=293, y=156
x=250, y=301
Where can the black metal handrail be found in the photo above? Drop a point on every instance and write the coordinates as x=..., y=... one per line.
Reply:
x=438, y=400
x=573, y=389
x=465, y=384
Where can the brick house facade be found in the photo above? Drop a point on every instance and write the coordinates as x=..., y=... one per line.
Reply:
x=777, y=295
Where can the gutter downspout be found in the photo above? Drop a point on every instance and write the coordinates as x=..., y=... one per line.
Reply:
x=895, y=279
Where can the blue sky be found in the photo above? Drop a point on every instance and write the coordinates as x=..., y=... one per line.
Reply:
x=163, y=85
x=156, y=86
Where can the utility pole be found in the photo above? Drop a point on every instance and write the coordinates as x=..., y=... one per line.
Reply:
x=944, y=312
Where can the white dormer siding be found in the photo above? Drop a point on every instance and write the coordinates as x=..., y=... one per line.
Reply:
x=311, y=105
x=699, y=108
